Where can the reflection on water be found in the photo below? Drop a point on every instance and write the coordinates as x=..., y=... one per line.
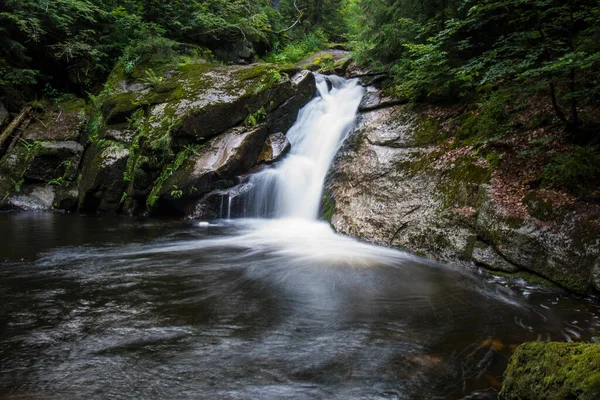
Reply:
x=118, y=308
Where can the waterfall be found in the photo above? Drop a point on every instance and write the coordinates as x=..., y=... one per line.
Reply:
x=293, y=188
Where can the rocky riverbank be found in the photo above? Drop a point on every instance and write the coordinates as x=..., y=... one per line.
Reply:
x=403, y=179
x=157, y=140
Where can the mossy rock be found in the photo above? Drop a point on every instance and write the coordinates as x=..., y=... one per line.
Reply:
x=59, y=122
x=553, y=371
x=49, y=161
x=119, y=108
x=102, y=184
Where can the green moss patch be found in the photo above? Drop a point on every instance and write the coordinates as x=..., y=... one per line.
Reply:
x=553, y=371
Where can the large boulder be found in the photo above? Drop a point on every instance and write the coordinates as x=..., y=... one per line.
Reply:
x=221, y=159
x=195, y=127
x=102, y=181
x=49, y=161
x=553, y=371
x=62, y=122
x=399, y=181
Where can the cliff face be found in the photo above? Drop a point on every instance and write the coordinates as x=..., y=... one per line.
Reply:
x=397, y=183
x=154, y=142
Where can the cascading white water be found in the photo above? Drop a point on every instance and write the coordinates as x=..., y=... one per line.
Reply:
x=293, y=188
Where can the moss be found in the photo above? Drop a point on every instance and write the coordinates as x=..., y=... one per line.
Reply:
x=428, y=132
x=461, y=186
x=120, y=107
x=328, y=206
x=553, y=371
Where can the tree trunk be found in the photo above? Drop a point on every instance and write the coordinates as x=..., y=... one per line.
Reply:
x=13, y=126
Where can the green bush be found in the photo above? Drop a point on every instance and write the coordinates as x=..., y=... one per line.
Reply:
x=297, y=50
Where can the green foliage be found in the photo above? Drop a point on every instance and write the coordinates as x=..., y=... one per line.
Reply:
x=299, y=49
x=576, y=171
x=255, y=118
x=440, y=51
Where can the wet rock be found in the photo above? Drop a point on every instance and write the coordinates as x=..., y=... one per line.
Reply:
x=276, y=146
x=488, y=257
x=561, y=371
x=378, y=196
x=32, y=198
x=227, y=203
x=224, y=157
x=304, y=87
x=102, y=183
x=66, y=199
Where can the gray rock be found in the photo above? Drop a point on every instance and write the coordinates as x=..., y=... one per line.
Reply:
x=33, y=198
x=241, y=52
x=53, y=160
x=224, y=157
x=487, y=256
x=276, y=146
x=102, y=184
x=386, y=187
x=596, y=274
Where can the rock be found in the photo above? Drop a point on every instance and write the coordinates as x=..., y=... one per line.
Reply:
x=32, y=198
x=240, y=52
x=596, y=274
x=374, y=99
x=558, y=371
x=224, y=157
x=564, y=255
x=325, y=58
x=395, y=182
x=376, y=193
x=120, y=134
x=63, y=122
x=4, y=116
x=276, y=146
x=66, y=199
x=487, y=256
x=304, y=87
x=227, y=203
x=200, y=105
x=53, y=160
x=102, y=184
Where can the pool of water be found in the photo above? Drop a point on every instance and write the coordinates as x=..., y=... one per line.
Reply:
x=107, y=307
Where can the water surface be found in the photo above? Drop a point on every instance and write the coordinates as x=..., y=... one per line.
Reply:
x=106, y=307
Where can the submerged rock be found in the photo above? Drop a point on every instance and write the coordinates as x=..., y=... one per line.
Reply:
x=557, y=371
